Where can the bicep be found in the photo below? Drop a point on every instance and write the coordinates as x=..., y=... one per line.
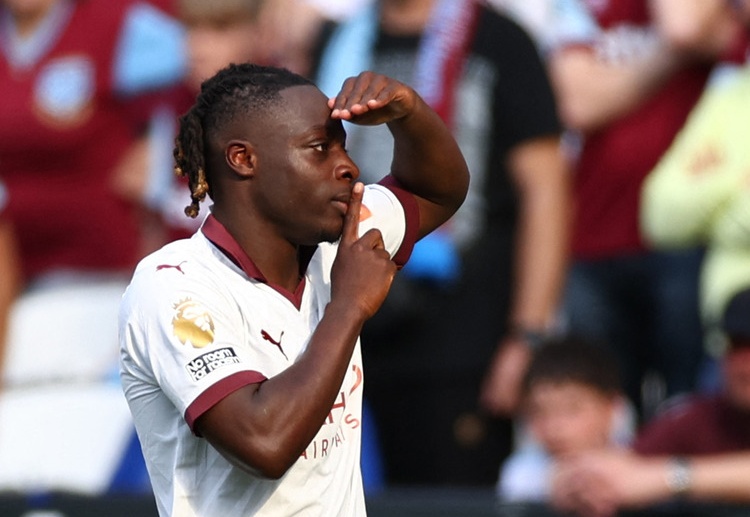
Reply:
x=225, y=426
x=539, y=162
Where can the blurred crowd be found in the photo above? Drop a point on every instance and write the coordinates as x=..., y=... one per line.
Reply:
x=577, y=336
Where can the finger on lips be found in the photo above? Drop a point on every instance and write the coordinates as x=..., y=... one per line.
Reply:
x=351, y=220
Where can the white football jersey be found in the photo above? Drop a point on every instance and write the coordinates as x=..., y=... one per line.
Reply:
x=198, y=322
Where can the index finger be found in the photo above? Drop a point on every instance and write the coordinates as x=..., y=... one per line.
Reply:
x=350, y=232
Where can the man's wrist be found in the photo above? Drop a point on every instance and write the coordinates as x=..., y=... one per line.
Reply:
x=679, y=475
x=531, y=336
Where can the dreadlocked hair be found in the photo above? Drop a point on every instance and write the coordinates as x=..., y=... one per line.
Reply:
x=236, y=91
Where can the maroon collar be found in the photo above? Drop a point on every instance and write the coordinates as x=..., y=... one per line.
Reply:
x=220, y=237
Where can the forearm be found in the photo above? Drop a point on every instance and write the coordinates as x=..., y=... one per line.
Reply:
x=543, y=229
x=717, y=478
x=265, y=427
x=9, y=287
x=290, y=408
x=652, y=480
x=428, y=162
x=280, y=417
x=592, y=92
x=721, y=478
x=601, y=483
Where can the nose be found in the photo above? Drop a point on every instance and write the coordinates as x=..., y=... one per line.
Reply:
x=346, y=168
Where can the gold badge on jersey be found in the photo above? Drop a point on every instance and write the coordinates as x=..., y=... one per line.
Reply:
x=192, y=323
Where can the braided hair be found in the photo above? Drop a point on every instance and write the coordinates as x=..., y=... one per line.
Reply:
x=233, y=92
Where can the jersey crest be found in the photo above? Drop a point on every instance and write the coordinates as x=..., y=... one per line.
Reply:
x=64, y=91
x=192, y=323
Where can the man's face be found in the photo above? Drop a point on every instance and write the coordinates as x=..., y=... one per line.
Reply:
x=569, y=417
x=214, y=43
x=304, y=175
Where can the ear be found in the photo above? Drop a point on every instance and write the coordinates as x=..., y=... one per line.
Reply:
x=240, y=156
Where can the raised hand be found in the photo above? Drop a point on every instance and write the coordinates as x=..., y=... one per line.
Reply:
x=363, y=270
x=371, y=99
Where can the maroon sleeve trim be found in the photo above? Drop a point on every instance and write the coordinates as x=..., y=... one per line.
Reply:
x=218, y=391
x=411, y=211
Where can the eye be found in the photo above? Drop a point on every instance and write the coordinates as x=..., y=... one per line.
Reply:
x=320, y=146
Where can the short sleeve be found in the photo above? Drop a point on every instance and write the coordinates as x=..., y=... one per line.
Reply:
x=394, y=212
x=187, y=338
x=524, y=105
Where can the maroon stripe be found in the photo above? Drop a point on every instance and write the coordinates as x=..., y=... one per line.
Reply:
x=211, y=396
x=412, y=218
x=222, y=239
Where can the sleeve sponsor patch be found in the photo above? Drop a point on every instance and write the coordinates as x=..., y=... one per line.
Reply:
x=211, y=361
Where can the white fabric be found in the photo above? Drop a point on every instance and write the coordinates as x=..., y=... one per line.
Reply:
x=551, y=22
x=229, y=313
x=64, y=423
x=526, y=476
x=64, y=331
x=338, y=9
x=62, y=437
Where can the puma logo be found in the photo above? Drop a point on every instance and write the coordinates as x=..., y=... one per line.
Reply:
x=178, y=267
x=265, y=335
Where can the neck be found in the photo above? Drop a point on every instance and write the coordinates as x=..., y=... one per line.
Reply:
x=276, y=258
x=405, y=16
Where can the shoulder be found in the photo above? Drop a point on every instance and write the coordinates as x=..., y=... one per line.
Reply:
x=394, y=211
x=495, y=31
x=687, y=405
x=184, y=266
x=682, y=413
x=509, y=48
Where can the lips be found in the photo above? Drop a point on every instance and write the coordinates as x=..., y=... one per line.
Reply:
x=342, y=201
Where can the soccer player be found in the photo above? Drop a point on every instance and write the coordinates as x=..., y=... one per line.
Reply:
x=239, y=347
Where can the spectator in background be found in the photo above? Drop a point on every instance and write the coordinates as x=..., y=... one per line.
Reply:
x=712, y=423
x=487, y=283
x=627, y=90
x=216, y=34
x=699, y=448
x=699, y=192
x=219, y=33
x=549, y=22
x=293, y=39
x=572, y=403
x=81, y=81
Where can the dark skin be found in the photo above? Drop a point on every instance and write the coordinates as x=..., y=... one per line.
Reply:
x=289, y=182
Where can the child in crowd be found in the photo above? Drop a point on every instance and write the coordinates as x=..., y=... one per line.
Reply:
x=695, y=452
x=571, y=402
